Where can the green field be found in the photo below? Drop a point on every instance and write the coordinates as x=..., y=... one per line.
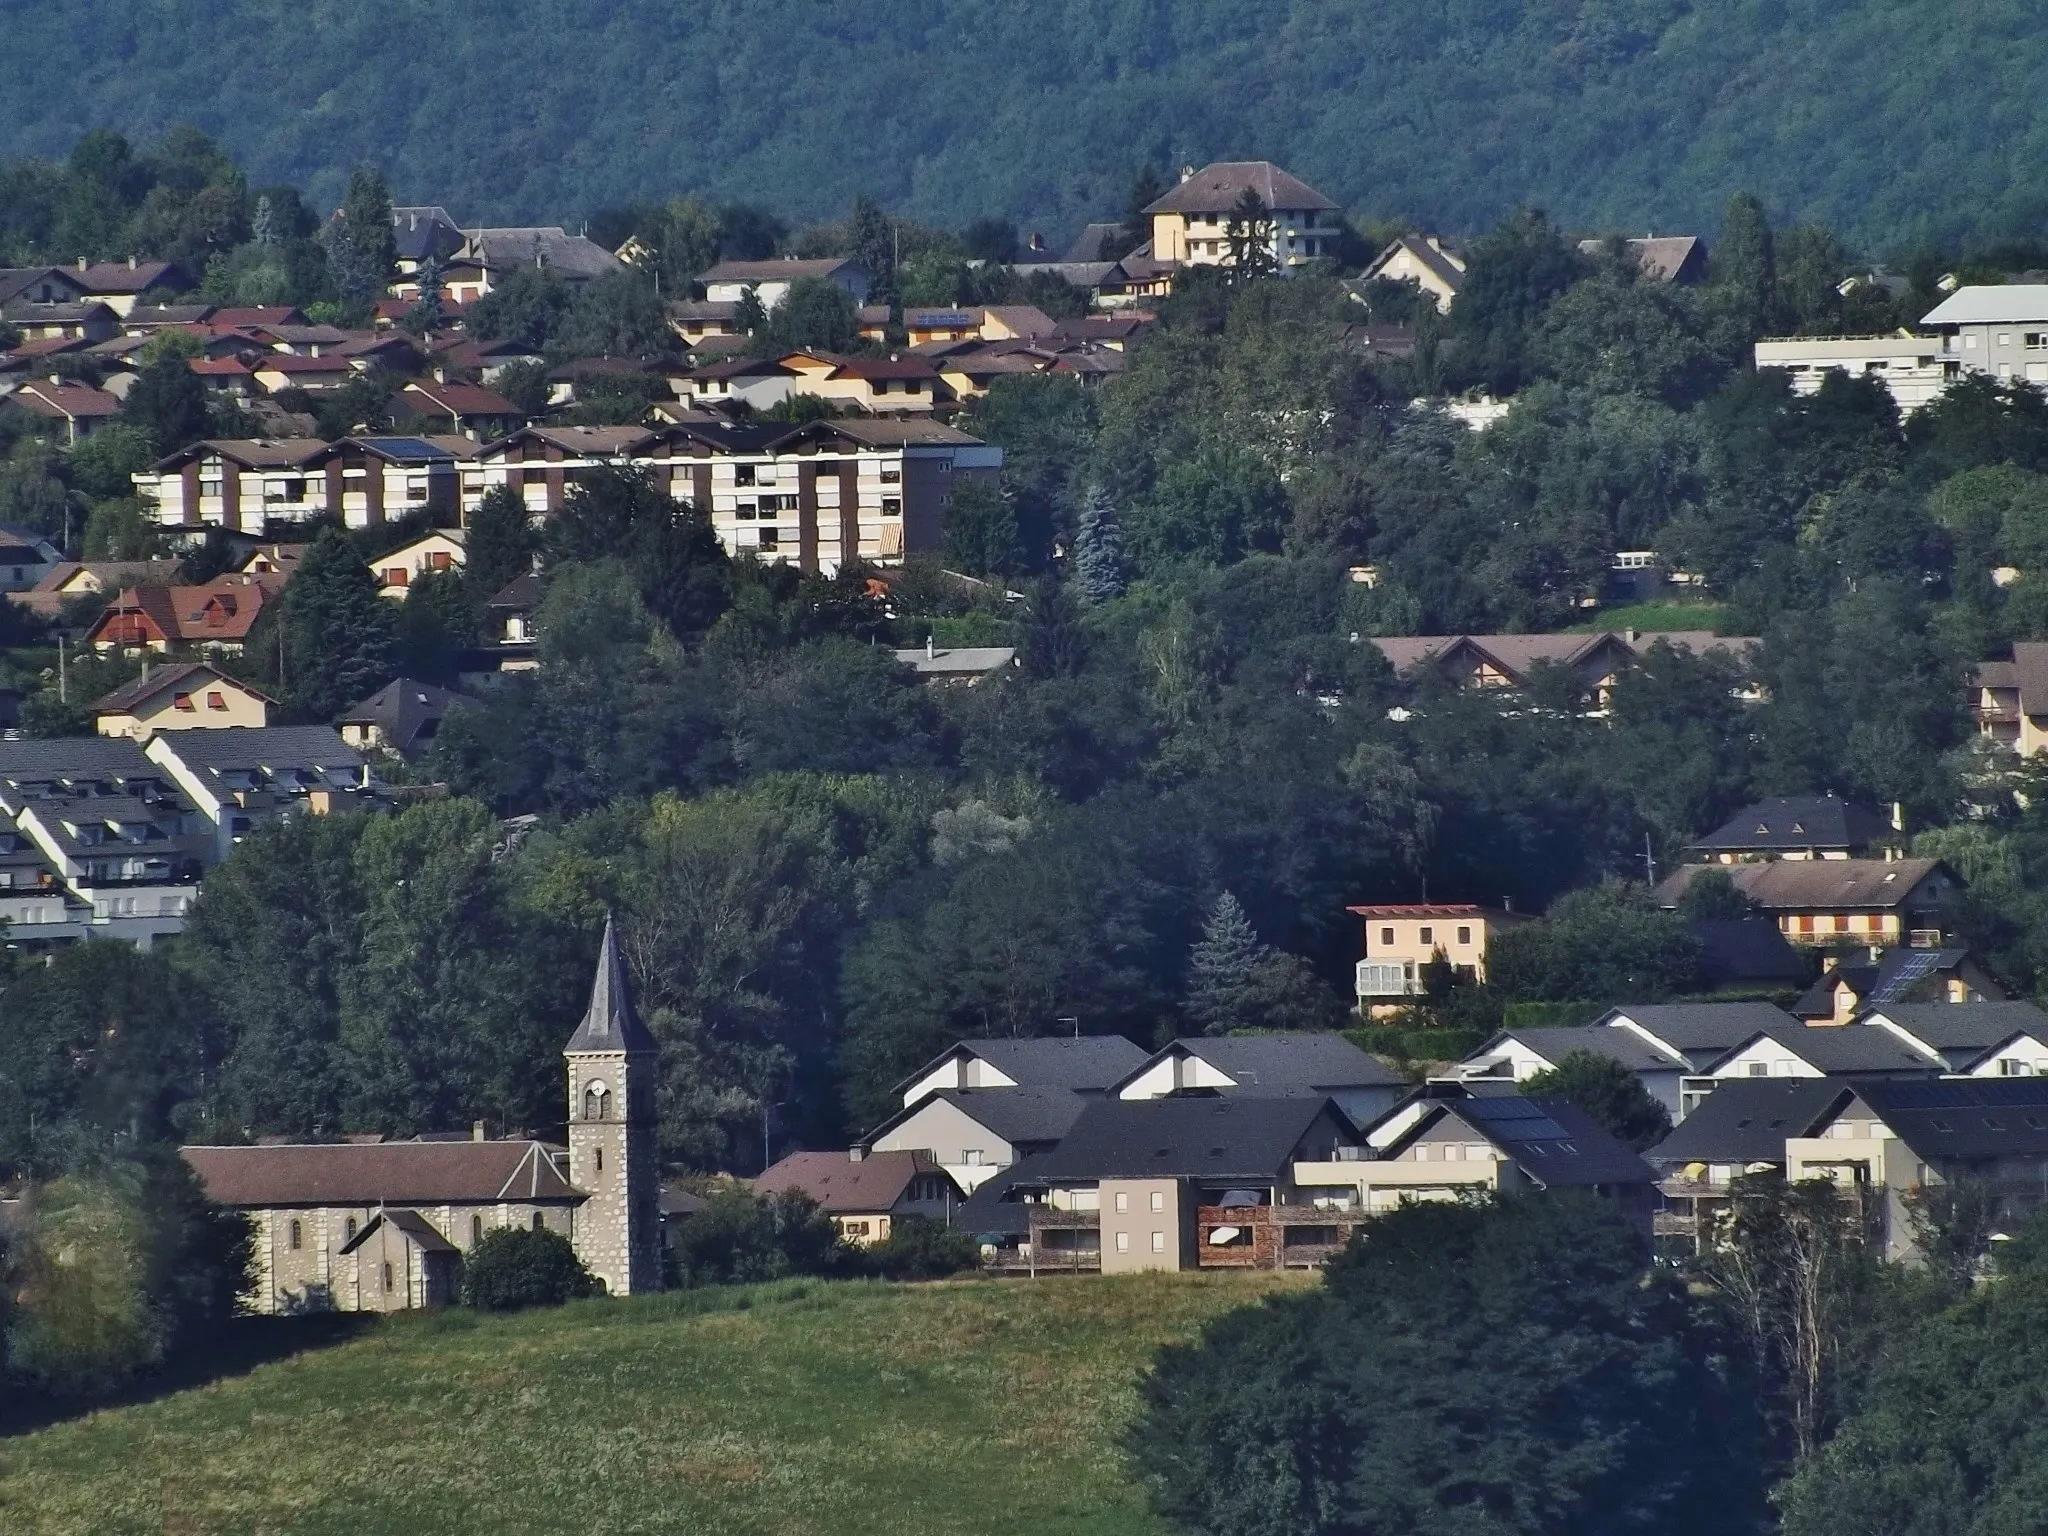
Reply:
x=976, y=1407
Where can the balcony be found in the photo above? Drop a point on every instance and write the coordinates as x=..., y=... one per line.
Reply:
x=1386, y=978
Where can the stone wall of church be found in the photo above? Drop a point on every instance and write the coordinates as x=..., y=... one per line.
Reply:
x=613, y=1158
x=298, y=1264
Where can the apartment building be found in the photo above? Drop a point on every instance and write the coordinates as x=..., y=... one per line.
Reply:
x=1191, y=223
x=820, y=495
x=245, y=485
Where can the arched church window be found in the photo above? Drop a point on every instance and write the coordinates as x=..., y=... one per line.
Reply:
x=597, y=1102
x=298, y=1236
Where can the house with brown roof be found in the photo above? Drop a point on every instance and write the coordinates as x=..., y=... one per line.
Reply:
x=215, y=617
x=86, y=321
x=75, y=410
x=1510, y=661
x=71, y=580
x=770, y=281
x=179, y=698
x=866, y=1192
x=1191, y=223
x=2009, y=699
x=1841, y=902
x=123, y=285
x=1662, y=258
x=240, y=484
x=469, y=410
x=881, y=385
x=443, y=549
x=1433, y=264
x=40, y=285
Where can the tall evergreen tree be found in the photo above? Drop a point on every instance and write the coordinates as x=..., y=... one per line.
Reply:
x=336, y=640
x=361, y=248
x=1249, y=234
x=1146, y=189
x=428, y=313
x=871, y=239
x=168, y=404
x=501, y=543
x=1222, y=967
x=1099, y=549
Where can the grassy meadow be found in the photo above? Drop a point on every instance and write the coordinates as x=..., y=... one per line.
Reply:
x=802, y=1407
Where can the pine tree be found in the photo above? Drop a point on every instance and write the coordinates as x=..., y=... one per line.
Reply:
x=336, y=631
x=361, y=248
x=1744, y=266
x=263, y=224
x=873, y=240
x=500, y=544
x=1099, y=549
x=1222, y=966
x=428, y=314
x=748, y=314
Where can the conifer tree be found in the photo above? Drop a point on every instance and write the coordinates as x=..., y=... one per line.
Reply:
x=336, y=640
x=501, y=543
x=1222, y=967
x=1099, y=549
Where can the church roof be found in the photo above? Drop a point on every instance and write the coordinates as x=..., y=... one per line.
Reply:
x=610, y=1023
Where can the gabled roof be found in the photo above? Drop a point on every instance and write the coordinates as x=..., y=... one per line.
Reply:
x=844, y=1186
x=1014, y=1114
x=1662, y=258
x=401, y=709
x=132, y=276
x=1514, y=655
x=2027, y=672
x=250, y=453
x=1816, y=885
x=1418, y=249
x=394, y=1172
x=1291, y=1064
x=1557, y=1145
x=1748, y=1119
x=610, y=1023
x=1553, y=1045
x=1963, y=1116
x=1961, y=1034
x=184, y=677
x=1747, y=951
x=414, y=1227
x=1216, y=189
x=71, y=401
x=1846, y=1050
x=225, y=609
x=1088, y=1063
x=1229, y=1138
x=1895, y=975
x=550, y=246
x=994, y=1209
x=775, y=271
x=603, y=442
x=1700, y=1032
x=1785, y=823
x=460, y=399
x=15, y=281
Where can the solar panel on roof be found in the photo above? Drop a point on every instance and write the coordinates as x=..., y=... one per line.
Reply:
x=411, y=448
x=1917, y=966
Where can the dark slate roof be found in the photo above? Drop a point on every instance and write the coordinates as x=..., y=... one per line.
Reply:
x=1962, y=1032
x=402, y=708
x=1622, y=1045
x=1554, y=1143
x=1292, y=1063
x=74, y=757
x=1747, y=1119
x=994, y=1210
x=610, y=1022
x=1089, y=1063
x=1701, y=1031
x=1748, y=950
x=1846, y=1050
x=1787, y=822
x=270, y=749
x=1015, y=1114
x=1964, y=1117
x=1891, y=980
x=1227, y=1138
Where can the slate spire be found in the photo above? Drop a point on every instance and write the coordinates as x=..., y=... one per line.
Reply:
x=610, y=1023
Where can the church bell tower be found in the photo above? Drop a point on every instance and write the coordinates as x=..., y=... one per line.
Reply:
x=612, y=1143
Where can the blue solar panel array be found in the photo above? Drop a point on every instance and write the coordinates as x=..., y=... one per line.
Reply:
x=412, y=449
x=1917, y=965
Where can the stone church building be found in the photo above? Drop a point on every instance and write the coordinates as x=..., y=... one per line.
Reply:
x=381, y=1226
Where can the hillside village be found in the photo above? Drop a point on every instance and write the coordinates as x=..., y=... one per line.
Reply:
x=725, y=752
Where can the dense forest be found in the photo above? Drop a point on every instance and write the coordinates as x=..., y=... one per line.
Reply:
x=1617, y=114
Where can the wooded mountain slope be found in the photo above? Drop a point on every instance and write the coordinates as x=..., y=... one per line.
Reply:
x=1895, y=122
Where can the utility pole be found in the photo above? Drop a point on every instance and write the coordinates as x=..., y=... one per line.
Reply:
x=1649, y=858
x=63, y=683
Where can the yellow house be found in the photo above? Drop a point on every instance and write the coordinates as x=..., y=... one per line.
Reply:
x=2009, y=699
x=1424, y=260
x=1401, y=939
x=1191, y=224
x=444, y=549
x=186, y=697
x=1840, y=902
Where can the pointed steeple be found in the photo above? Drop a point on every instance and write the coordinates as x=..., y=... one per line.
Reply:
x=610, y=1024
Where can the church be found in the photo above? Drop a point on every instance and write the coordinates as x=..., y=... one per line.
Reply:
x=381, y=1226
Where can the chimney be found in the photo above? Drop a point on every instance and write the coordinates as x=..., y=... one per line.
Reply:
x=1631, y=635
x=1186, y=171
x=81, y=263
x=1507, y=903
x=855, y=1154
x=131, y=263
x=476, y=1130
x=1898, y=816
x=931, y=644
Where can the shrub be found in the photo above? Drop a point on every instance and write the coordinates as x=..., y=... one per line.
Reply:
x=516, y=1267
x=741, y=1237
x=919, y=1248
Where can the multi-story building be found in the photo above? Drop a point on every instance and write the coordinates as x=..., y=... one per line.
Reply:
x=241, y=777
x=1191, y=224
x=1400, y=939
x=820, y=495
x=247, y=485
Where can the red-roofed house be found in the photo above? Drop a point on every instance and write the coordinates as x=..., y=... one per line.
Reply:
x=865, y=1194
x=215, y=617
x=287, y=370
x=79, y=407
x=468, y=409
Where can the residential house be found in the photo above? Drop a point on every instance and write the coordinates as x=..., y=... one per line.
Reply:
x=278, y=562
x=1882, y=975
x=1841, y=901
x=1451, y=1145
x=1748, y=954
x=1740, y=1131
x=1805, y=1050
x=1915, y=369
x=190, y=695
x=1516, y=1055
x=26, y=557
x=819, y=495
x=76, y=581
x=92, y=818
x=2009, y=699
x=879, y=385
x=1795, y=827
x=866, y=1193
x=975, y=1133
x=85, y=322
x=214, y=617
x=422, y=234
x=510, y=611
x=242, y=778
x=1076, y=1063
x=1318, y=1066
x=1402, y=938
x=372, y=480
x=1434, y=265
x=771, y=281
x=994, y=322
x=402, y=717
x=1192, y=223
x=123, y=285
x=1660, y=258
x=444, y=549
x=698, y=321
x=488, y=256
x=1187, y=1182
x=242, y=485
x=959, y=665
x=275, y=372
x=377, y=1226
x=39, y=285
x=466, y=410
x=759, y=383
x=1511, y=661
x=2000, y=329
x=1979, y=1039
x=74, y=410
